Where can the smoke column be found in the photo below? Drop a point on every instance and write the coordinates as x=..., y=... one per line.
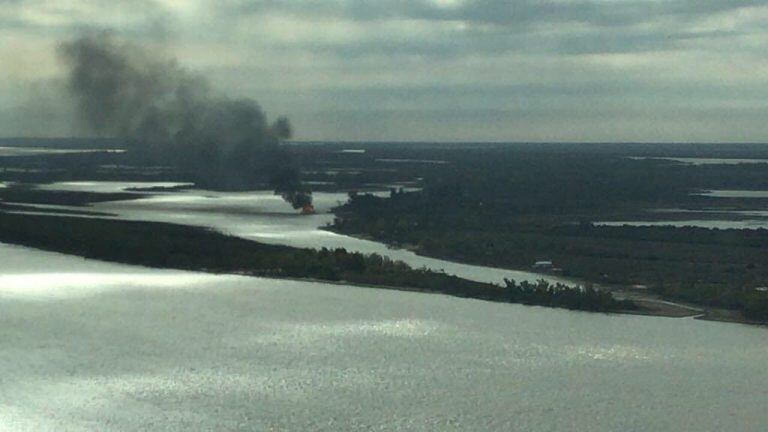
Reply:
x=170, y=115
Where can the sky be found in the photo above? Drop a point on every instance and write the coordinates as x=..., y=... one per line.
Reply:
x=427, y=70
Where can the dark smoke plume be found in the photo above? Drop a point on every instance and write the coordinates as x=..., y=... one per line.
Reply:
x=169, y=115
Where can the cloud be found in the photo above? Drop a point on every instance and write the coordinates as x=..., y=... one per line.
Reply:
x=361, y=67
x=499, y=12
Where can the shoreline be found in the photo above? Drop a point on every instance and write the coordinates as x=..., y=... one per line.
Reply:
x=185, y=247
x=646, y=306
x=649, y=304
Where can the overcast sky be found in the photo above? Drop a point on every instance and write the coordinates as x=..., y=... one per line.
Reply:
x=429, y=70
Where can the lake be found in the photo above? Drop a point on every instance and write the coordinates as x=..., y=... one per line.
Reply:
x=86, y=345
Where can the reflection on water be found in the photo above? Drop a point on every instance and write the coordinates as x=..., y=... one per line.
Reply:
x=266, y=217
x=179, y=351
x=413, y=161
x=29, y=285
x=715, y=218
x=730, y=219
x=107, y=186
x=705, y=161
x=699, y=223
x=31, y=151
x=735, y=194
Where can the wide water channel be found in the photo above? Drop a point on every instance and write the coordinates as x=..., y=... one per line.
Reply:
x=267, y=218
x=86, y=345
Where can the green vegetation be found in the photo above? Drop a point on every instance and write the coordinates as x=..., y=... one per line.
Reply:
x=720, y=268
x=508, y=206
x=509, y=209
x=182, y=247
x=559, y=295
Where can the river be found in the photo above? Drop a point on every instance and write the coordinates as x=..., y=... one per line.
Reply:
x=265, y=217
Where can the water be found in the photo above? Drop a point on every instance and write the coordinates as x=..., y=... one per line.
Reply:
x=107, y=186
x=265, y=217
x=705, y=161
x=698, y=223
x=414, y=161
x=33, y=151
x=729, y=219
x=88, y=346
x=726, y=219
x=735, y=194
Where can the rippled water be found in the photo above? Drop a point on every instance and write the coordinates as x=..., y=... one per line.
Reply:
x=86, y=345
x=93, y=346
x=267, y=218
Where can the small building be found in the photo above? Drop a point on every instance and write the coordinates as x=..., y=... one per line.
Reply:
x=543, y=265
x=761, y=289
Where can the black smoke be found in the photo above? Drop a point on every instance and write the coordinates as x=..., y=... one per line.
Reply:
x=169, y=115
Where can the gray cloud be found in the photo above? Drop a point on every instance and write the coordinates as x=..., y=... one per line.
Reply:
x=143, y=19
x=500, y=12
x=497, y=26
x=428, y=69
